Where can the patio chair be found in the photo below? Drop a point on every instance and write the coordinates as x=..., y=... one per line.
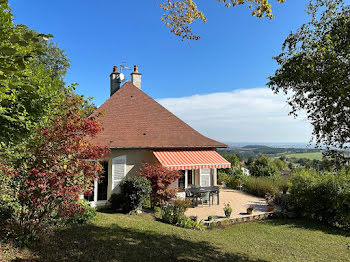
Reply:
x=204, y=198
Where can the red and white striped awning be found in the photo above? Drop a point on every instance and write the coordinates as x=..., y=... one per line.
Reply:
x=190, y=159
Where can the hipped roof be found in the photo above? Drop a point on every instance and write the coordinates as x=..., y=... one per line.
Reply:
x=132, y=119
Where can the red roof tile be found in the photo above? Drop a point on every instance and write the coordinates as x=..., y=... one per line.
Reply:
x=134, y=120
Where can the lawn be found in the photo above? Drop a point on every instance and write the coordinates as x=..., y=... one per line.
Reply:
x=311, y=156
x=116, y=237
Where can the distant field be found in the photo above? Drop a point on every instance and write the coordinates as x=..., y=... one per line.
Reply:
x=311, y=156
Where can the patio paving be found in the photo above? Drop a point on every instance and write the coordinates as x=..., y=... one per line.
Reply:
x=238, y=200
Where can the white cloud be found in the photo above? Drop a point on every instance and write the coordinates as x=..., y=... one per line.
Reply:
x=245, y=115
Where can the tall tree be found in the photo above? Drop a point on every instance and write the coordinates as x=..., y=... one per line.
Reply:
x=180, y=14
x=31, y=81
x=314, y=71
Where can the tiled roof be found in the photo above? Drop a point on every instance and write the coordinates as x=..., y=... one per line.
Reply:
x=132, y=119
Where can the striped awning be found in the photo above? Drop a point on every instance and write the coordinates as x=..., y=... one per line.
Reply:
x=190, y=159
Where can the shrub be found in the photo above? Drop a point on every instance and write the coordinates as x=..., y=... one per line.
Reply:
x=160, y=178
x=322, y=196
x=187, y=222
x=230, y=180
x=58, y=169
x=85, y=213
x=259, y=186
x=172, y=212
x=134, y=192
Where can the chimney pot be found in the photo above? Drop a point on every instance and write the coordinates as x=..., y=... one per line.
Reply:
x=115, y=69
x=136, y=77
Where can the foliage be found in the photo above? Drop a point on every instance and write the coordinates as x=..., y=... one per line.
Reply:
x=251, y=208
x=227, y=208
x=174, y=213
x=263, y=166
x=61, y=167
x=29, y=90
x=322, y=196
x=134, y=192
x=116, y=202
x=259, y=186
x=187, y=222
x=314, y=72
x=160, y=178
x=85, y=214
x=279, y=164
x=180, y=14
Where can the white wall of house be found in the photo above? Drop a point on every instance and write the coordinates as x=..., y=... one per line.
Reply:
x=127, y=162
x=133, y=162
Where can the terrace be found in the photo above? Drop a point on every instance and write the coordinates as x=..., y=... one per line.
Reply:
x=238, y=200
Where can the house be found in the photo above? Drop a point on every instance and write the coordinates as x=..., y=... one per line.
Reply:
x=138, y=129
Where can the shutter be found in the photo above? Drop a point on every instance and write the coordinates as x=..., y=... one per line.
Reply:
x=118, y=171
x=204, y=177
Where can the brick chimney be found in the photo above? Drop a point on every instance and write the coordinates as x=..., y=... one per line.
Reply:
x=136, y=77
x=116, y=80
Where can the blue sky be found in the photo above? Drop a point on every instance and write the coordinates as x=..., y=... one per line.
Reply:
x=232, y=59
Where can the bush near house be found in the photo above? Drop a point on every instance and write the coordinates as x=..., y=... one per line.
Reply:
x=134, y=192
x=174, y=213
x=160, y=178
x=322, y=196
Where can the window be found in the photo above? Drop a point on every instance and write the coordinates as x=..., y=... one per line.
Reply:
x=182, y=179
x=103, y=183
x=190, y=178
x=101, y=186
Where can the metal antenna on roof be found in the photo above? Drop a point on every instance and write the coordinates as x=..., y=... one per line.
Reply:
x=125, y=67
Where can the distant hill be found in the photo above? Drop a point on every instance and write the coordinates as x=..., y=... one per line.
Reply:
x=253, y=150
x=256, y=146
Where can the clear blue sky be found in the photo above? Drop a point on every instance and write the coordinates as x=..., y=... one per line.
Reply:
x=234, y=53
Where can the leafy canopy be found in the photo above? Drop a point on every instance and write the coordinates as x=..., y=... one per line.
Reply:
x=31, y=81
x=314, y=72
x=180, y=14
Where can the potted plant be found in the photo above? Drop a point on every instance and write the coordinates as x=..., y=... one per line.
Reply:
x=270, y=206
x=250, y=209
x=267, y=197
x=228, y=210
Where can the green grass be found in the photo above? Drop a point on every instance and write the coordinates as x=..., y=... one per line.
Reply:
x=311, y=156
x=116, y=237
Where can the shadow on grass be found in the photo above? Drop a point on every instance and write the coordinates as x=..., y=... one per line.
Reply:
x=93, y=243
x=307, y=224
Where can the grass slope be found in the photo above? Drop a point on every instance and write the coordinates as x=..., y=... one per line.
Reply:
x=116, y=237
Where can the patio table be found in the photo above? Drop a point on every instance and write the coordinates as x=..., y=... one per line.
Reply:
x=212, y=190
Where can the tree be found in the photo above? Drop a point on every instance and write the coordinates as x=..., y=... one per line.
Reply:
x=61, y=167
x=161, y=178
x=262, y=166
x=180, y=14
x=280, y=165
x=31, y=81
x=314, y=72
x=235, y=163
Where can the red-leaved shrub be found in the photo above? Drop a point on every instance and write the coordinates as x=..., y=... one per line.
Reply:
x=161, y=178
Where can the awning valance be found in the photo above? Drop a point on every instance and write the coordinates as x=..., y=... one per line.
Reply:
x=190, y=159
